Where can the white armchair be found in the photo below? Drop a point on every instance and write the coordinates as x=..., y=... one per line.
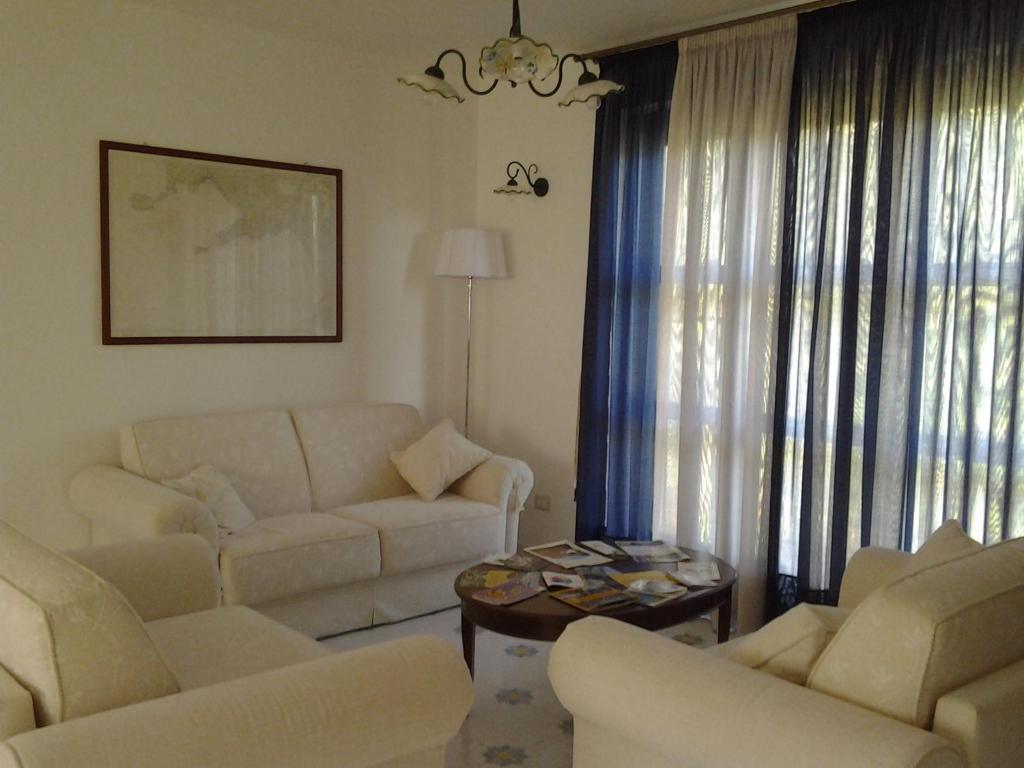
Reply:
x=927, y=671
x=85, y=683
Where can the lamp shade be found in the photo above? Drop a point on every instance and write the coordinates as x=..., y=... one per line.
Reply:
x=471, y=253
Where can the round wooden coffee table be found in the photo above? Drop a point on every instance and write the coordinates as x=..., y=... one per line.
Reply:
x=542, y=617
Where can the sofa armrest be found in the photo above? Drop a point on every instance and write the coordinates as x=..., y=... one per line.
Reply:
x=869, y=569
x=16, y=713
x=504, y=483
x=358, y=709
x=162, y=576
x=128, y=507
x=689, y=707
x=985, y=717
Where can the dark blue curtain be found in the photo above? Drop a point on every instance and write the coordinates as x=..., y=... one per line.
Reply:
x=898, y=392
x=618, y=387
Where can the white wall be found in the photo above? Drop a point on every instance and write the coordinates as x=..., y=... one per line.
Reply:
x=76, y=72
x=529, y=336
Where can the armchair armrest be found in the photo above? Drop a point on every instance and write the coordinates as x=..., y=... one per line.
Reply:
x=869, y=569
x=369, y=707
x=985, y=718
x=503, y=482
x=16, y=713
x=689, y=707
x=160, y=577
x=127, y=507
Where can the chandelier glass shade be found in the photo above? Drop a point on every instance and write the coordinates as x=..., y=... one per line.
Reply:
x=516, y=60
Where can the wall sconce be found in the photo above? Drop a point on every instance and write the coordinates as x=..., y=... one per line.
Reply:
x=537, y=186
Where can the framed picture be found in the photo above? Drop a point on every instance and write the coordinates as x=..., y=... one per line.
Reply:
x=199, y=248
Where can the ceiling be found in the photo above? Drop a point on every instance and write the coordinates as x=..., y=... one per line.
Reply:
x=400, y=27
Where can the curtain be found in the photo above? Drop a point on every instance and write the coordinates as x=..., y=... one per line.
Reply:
x=720, y=266
x=899, y=390
x=617, y=388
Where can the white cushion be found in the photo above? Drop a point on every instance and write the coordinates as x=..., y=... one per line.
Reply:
x=347, y=448
x=69, y=637
x=927, y=634
x=227, y=643
x=788, y=646
x=946, y=543
x=416, y=534
x=258, y=451
x=437, y=460
x=206, y=484
x=282, y=556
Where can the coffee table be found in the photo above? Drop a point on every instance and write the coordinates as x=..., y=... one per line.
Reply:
x=542, y=617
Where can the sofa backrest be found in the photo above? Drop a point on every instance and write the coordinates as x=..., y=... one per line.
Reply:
x=927, y=634
x=348, y=449
x=70, y=638
x=258, y=451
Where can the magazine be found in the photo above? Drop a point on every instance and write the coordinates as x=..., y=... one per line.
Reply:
x=567, y=555
x=594, y=597
x=521, y=586
x=652, y=551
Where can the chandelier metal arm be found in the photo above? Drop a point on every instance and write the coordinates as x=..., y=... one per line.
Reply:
x=465, y=79
x=561, y=74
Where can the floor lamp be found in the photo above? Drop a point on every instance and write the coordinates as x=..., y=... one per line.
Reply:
x=470, y=253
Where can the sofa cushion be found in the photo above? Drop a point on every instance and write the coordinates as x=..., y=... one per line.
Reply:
x=69, y=637
x=437, y=460
x=347, y=448
x=946, y=543
x=418, y=534
x=282, y=556
x=258, y=451
x=227, y=643
x=927, y=634
x=788, y=646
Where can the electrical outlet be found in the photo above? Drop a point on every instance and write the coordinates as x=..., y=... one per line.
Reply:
x=542, y=502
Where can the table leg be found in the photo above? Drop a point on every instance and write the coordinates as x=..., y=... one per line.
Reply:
x=725, y=618
x=468, y=643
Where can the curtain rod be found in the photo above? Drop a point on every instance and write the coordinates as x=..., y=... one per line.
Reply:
x=654, y=41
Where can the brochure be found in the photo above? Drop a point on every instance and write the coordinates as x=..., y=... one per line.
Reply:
x=521, y=586
x=567, y=555
x=562, y=580
x=652, y=551
x=602, y=548
x=517, y=561
x=702, y=574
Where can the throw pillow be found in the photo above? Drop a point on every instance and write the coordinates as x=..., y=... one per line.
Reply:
x=948, y=542
x=212, y=488
x=788, y=646
x=437, y=460
x=926, y=634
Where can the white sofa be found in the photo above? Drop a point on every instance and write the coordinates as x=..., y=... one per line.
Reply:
x=123, y=659
x=925, y=670
x=341, y=541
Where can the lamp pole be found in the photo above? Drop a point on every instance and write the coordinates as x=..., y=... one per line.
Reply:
x=469, y=348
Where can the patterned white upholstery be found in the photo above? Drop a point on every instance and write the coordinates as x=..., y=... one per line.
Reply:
x=292, y=554
x=416, y=534
x=258, y=451
x=348, y=448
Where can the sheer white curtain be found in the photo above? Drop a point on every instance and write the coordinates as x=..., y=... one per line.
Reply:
x=717, y=310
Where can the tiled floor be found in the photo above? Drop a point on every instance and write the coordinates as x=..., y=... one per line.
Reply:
x=516, y=718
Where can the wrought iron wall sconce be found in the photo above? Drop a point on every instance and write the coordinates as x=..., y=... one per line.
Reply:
x=535, y=185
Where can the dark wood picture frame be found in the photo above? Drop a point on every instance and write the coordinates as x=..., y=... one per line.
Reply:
x=105, y=262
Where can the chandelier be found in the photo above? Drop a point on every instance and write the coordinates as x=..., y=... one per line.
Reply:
x=517, y=59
